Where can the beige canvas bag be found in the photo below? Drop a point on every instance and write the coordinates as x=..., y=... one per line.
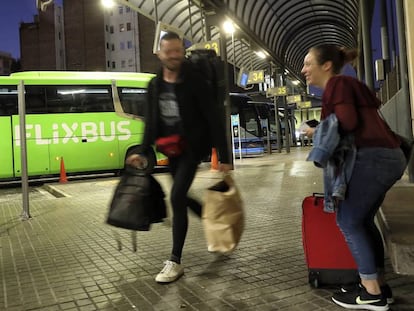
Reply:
x=223, y=216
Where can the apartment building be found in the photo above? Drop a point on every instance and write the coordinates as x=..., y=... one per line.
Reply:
x=83, y=35
x=6, y=61
x=42, y=41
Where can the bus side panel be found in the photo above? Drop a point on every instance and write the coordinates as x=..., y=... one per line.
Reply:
x=6, y=153
x=37, y=148
x=91, y=141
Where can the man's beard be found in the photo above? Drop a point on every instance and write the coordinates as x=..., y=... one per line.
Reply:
x=175, y=67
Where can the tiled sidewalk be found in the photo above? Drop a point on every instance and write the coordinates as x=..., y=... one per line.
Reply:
x=65, y=257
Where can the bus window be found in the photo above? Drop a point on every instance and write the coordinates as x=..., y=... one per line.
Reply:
x=79, y=98
x=8, y=100
x=132, y=100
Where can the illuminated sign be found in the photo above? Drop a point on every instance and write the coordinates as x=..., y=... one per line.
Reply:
x=207, y=45
x=255, y=77
x=276, y=91
x=293, y=99
x=306, y=104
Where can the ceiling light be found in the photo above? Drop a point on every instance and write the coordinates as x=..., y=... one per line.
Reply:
x=108, y=3
x=261, y=54
x=228, y=27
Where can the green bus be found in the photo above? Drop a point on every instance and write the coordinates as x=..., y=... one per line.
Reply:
x=89, y=120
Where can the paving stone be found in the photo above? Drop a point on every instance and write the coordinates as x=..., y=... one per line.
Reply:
x=65, y=257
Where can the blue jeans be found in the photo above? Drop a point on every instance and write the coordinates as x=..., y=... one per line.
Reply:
x=374, y=173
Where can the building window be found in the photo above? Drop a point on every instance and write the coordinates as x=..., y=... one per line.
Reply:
x=129, y=44
x=107, y=45
x=122, y=64
x=111, y=29
x=122, y=45
x=113, y=47
x=121, y=27
x=128, y=9
x=120, y=9
x=113, y=65
x=130, y=62
x=128, y=26
x=106, y=28
x=108, y=63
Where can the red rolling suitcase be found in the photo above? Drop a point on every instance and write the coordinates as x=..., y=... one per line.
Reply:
x=327, y=255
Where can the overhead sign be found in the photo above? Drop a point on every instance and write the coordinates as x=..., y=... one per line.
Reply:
x=293, y=99
x=208, y=45
x=305, y=104
x=276, y=91
x=256, y=77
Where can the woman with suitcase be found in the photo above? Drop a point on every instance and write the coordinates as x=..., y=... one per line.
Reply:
x=379, y=163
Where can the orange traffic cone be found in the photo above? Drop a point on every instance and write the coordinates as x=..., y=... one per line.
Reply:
x=62, y=178
x=214, y=159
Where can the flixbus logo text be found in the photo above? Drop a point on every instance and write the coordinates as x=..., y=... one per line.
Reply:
x=63, y=133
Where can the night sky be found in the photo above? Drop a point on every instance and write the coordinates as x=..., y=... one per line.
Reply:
x=12, y=13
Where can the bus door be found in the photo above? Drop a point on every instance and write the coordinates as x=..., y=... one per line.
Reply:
x=6, y=156
x=268, y=124
x=36, y=146
x=37, y=143
x=250, y=127
x=8, y=106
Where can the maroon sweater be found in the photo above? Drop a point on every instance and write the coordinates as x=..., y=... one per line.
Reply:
x=355, y=106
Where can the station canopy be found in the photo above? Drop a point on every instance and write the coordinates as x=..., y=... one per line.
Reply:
x=283, y=29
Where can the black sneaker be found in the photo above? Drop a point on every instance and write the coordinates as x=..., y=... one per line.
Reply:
x=385, y=290
x=359, y=298
x=387, y=293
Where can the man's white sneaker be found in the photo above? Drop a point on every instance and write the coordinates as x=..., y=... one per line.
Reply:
x=171, y=272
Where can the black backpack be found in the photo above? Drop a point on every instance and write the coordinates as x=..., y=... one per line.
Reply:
x=211, y=68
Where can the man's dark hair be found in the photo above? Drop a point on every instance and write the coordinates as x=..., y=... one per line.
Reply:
x=170, y=35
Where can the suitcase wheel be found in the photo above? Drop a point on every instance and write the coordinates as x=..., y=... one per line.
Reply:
x=313, y=280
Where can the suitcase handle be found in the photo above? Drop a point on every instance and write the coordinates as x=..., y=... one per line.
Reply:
x=317, y=197
x=318, y=194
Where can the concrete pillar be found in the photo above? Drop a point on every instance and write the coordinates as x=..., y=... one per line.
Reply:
x=409, y=33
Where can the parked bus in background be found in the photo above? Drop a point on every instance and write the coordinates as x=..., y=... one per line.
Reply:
x=266, y=111
x=70, y=116
x=249, y=130
x=252, y=125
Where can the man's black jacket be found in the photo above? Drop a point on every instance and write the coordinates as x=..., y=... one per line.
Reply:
x=202, y=118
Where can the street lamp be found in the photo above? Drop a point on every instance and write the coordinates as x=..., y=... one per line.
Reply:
x=108, y=3
x=229, y=29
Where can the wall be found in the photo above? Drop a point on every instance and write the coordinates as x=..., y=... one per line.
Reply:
x=409, y=32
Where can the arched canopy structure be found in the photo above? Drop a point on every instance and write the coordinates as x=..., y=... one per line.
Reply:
x=283, y=29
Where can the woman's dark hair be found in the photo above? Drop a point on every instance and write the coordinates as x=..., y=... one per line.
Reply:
x=339, y=56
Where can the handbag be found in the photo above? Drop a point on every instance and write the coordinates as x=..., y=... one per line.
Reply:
x=406, y=146
x=172, y=146
x=406, y=143
x=138, y=201
x=223, y=216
